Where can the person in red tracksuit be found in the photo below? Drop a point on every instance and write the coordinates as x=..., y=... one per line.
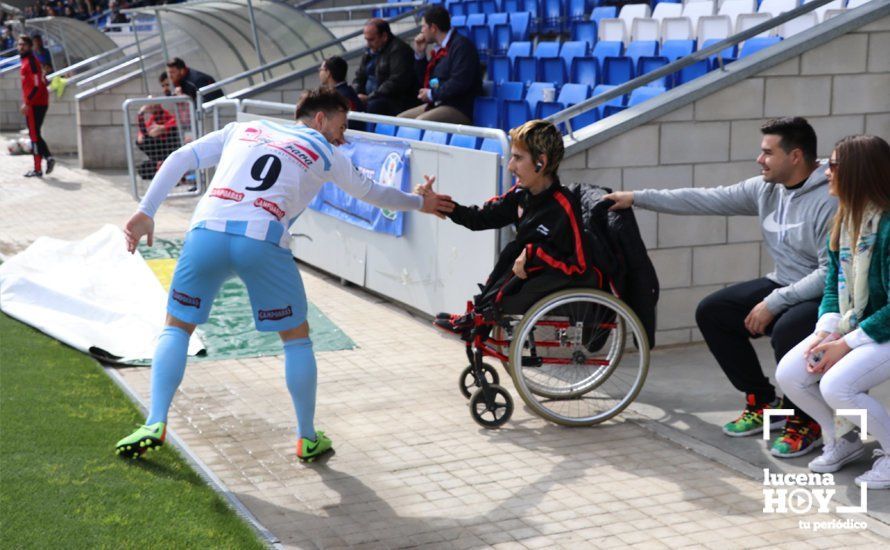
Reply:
x=549, y=252
x=35, y=102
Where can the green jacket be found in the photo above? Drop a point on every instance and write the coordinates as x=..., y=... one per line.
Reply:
x=876, y=317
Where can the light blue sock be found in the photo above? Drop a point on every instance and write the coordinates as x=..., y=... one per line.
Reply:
x=167, y=369
x=302, y=378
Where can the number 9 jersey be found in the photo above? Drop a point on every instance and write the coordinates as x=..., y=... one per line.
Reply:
x=266, y=175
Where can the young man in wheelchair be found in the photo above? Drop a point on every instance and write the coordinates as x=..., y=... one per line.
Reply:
x=549, y=252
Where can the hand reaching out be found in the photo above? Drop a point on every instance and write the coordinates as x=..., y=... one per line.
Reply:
x=139, y=225
x=433, y=203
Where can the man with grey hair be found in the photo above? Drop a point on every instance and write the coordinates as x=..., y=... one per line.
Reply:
x=385, y=79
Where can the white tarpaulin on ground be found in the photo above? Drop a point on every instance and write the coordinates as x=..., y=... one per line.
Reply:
x=91, y=294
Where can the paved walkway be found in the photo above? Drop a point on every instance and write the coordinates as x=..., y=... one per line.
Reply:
x=411, y=467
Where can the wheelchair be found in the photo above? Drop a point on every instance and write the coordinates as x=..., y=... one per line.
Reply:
x=577, y=357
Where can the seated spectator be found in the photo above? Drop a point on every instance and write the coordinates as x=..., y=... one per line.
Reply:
x=165, y=84
x=7, y=41
x=849, y=352
x=158, y=136
x=188, y=80
x=332, y=74
x=451, y=77
x=385, y=78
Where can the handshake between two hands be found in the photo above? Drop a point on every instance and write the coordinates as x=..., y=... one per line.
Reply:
x=434, y=203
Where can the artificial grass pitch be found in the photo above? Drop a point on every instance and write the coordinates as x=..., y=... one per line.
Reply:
x=61, y=483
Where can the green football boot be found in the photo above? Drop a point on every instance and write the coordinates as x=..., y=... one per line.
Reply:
x=308, y=450
x=142, y=440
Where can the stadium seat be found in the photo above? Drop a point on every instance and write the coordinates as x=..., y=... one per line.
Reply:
x=520, y=23
x=644, y=93
x=691, y=72
x=572, y=94
x=547, y=49
x=499, y=18
x=667, y=9
x=630, y=11
x=777, y=7
x=513, y=6
x=832, y=13
x=647, y=64
x=577, y=10
x=747, y=21
x=617, y=70
x=584, y=31
x=510, y=90
x=551, y=16
x=713, y=27
x=645, y=28
x=585, y=70
x=459, y=23
x=525, y=69
x=603, y=12
x=533, y=7
x=613, y=30
x=481, y=37
x=553, y=69
x=821, y=10
x=456, y=9
x=614, y=105
x=385, y=129
x=472, y=7
x=486, y=112
x=488, y=6
x=697, y=9
x=754, y=45
x=676, y=28
x=405, y=132
x=501, y=38
x=635, y=50
x=734, y=8
x=491, y=145
x=499, y=69
x=519, y=49
x=675, y=49
x=605, y=49
x=856, y=3
x=460, y=140
x=572, y=49
x=798, y=24
x=433, y=136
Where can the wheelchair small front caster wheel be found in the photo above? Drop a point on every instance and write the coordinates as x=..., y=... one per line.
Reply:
x=468, y=383
x=493, y=412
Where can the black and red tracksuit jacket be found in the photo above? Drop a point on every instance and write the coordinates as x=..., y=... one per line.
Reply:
x=34, y=90
x=548, y=226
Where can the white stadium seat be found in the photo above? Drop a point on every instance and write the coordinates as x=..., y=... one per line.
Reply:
x=644, y=28
x=798, y=25
x=676, y=28
x=612, y=30
x=714, y=26
x=746, y=21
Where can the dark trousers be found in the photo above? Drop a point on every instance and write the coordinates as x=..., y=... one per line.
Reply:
x=386, y=106
x=35, y=117
x=721, y=319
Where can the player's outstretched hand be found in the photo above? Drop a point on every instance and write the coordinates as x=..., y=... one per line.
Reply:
x=139, y=225
x=434, y=203
x=623, y=199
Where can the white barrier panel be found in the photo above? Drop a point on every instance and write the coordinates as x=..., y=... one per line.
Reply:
x=436, y=264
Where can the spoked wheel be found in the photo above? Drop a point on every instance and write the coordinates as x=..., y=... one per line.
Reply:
x=493, y=412
x=569, y=359
x=469, y=383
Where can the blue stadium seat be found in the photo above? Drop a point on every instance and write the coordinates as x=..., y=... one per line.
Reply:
x=551, y=16
x=675, y=49
x=525, y=69
x=476, y=19
x=754, y=45
x=485, y=112
x=577, y=10
x=488, y=6
x=519, y=49
x=499, y=69
x=459, y=140
x=606, y=48
x=458, y=20
x=570, y=50
x=586, y=70
x=644, y=93
x=385, y=129
x=513, y=6
x=547, y=49
x=501, y=38
x=571, y=94
x=553, y=69
x=639, y=48
x=729, y=54
x=472, y=7
x=510, y=90
x=612, y=106
x=481, y=36
x=584, y=31
x=647, y=64
x=603, y=12
x=405, y=132
x=521, y=23
x=456, y=9
x=692, y=72
x=498, y=18
x=533, y=7
x=617, y=70
x=491, y=145
x=534, y=94
x=519, y=111
x=433, y=136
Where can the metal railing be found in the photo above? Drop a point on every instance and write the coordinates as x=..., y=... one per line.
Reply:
x=461, y=129
x=349, y=10
x=566, y=115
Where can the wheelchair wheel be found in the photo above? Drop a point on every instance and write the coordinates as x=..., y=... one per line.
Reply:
x=493, y=412
x=569, y=357
x=469, y=383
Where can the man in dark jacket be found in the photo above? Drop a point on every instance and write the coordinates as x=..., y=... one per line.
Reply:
x=332, y=74
x=385, y=78
x=189, y=80
x=450, y=78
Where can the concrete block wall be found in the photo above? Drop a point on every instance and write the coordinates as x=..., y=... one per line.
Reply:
x=842, y=87
x=59, y=126
x=11, y=120
x=100, y=127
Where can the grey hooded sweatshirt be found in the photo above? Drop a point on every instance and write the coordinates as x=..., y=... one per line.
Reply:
x=795, y=225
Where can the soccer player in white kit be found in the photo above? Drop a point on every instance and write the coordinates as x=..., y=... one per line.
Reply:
x=266, y=175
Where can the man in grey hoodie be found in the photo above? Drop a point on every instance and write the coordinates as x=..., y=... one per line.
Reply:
x=791, y=199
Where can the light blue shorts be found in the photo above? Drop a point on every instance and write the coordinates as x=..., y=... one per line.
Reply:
x=269, y=271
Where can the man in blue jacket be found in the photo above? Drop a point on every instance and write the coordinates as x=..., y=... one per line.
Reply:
x=450, y=77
